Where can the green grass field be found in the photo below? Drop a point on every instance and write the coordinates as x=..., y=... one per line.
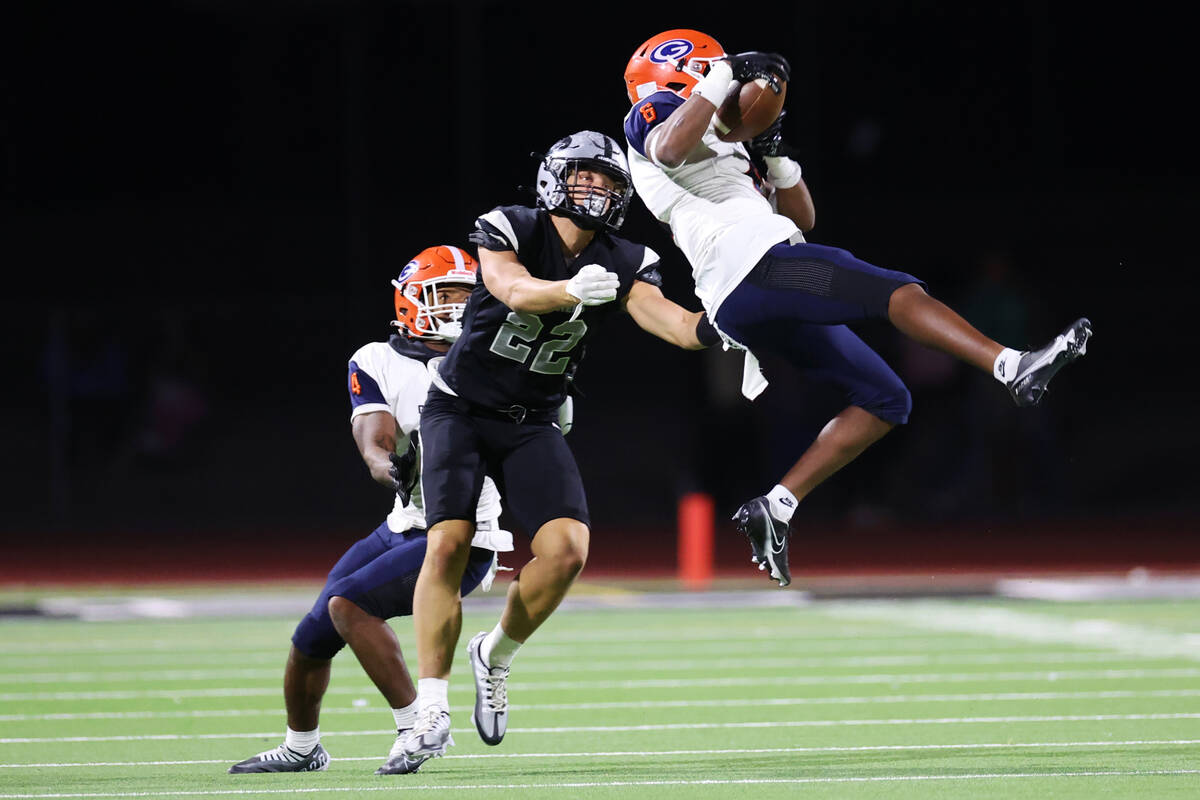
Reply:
x=832, y=699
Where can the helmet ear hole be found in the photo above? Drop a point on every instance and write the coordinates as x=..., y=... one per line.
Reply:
x=676, y=86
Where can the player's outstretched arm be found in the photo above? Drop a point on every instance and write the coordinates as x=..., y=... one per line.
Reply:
x=670, y=143
x=664, y=318
x=510, y=283
x=375, y=435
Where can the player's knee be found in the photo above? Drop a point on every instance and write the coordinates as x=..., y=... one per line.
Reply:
x=564, y=545
x=892, y=403
x=344, y=613
x=448, y=547
x=317, y=638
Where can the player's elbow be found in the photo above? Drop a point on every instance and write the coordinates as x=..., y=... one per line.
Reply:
x=521, y=300
x=668, y=149
x=807, y=221
x=669, y=154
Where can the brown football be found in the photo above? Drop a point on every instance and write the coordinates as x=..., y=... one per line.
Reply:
x=749, y=111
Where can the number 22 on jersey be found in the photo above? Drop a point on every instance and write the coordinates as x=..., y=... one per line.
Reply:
x=552, y=357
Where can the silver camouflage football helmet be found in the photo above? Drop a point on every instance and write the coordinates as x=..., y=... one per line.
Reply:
x=585, y=150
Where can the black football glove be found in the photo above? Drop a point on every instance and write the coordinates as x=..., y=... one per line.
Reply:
x=770, y=142
x=403, y=471
x=773, y=67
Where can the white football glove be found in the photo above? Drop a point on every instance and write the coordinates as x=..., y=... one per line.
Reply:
x=593, y=285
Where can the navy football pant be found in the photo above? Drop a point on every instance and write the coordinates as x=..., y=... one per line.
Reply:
x=377, y=574
x=795, y=304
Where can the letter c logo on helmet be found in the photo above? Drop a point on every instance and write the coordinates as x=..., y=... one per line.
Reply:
x=671, y=51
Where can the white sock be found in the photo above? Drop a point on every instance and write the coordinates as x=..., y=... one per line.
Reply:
x=405, y=717
x=433, y=692
x=1005, y=367
x=302, y=741
x=498, y=648
x=782, y=503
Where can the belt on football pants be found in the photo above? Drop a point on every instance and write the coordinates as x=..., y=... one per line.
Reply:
x=515, y=413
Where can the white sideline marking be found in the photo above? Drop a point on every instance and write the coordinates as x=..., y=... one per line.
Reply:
x=1107, y=634
x=397, y=787
x=659, y=683
x=656, y=753
x=808, y=723
x=590, y=665
x=732, y=703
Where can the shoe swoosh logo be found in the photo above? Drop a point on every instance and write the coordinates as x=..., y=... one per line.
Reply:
x=777, y=541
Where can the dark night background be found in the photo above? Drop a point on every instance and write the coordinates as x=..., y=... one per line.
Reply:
x=205, y=200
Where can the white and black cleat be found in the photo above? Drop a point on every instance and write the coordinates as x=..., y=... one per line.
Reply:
x=491, y=694
x=284, y=759
x=399, y=762
x=430, y=736
x=768, y=538
x=1037, y=367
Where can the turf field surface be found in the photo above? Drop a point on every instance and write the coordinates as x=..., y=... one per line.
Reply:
x=979, y=698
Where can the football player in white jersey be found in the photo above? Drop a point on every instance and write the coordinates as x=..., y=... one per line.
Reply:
x=373, y=581
x=767, y=290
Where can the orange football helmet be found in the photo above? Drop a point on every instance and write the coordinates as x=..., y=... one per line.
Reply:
x=675, y=60
x=418, y=312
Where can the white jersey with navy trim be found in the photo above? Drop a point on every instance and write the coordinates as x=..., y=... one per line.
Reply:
x=719, y=218
x=383, y=379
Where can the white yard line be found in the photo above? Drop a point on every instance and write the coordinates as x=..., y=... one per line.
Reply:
x=652, y=635
x=811, y=723
x=548, y=650
x=398, y=787
x=742, y=702
x=591, y=665
x=660, y=753
x=661, y=683
x=1007, y=623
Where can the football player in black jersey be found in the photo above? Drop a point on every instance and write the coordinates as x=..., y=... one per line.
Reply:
x=549, y=274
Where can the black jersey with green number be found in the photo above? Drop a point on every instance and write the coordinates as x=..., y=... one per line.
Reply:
x=505, y=358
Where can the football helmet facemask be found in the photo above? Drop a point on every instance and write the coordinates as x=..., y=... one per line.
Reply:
x=418, y=312
x=589, y=206
x=675, y=60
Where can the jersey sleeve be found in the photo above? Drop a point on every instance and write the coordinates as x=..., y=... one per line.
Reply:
x=648, y=271
x=648, y=114
x=503, y=228
x=365, y=381
x=365, y=394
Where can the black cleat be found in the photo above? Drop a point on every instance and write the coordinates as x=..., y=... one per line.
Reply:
x=768, y=538
x=284, y=759
x=1037, y=367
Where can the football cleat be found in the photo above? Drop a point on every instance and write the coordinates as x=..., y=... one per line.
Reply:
x=430, y=737
x=399, y=762
x=491, y=695
x=284, y=759
x=1037, y=367
x=768, y=538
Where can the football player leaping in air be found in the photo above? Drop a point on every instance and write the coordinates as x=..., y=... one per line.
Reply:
x=550, y=275
x=767, y=290
x=374, y=580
